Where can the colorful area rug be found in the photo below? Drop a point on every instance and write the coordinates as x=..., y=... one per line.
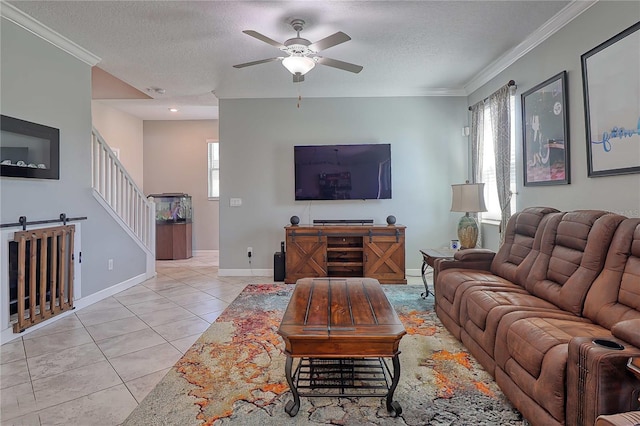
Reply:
x=234, y=374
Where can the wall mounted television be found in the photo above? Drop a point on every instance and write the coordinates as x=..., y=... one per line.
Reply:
x=342, y=172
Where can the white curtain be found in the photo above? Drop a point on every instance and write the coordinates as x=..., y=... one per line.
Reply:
x=499, y=105
x=477, y=147
x=477, y=141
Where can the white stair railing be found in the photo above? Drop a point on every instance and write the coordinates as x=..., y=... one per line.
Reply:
x=119, y=192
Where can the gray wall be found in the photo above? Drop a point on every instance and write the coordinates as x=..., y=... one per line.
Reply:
x=42, y=84
x=257, y=137
x=560, y=52
x=175, y=160
x=124, y=132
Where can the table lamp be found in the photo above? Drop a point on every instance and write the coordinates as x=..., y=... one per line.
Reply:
x=468, y=198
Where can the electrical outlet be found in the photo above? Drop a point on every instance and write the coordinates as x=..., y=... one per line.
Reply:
x=249, y=251
x=110, y=264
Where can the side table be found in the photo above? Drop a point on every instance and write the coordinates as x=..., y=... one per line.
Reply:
x=429, y=257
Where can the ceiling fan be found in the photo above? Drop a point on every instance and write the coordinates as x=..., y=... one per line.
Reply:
x=302, y=53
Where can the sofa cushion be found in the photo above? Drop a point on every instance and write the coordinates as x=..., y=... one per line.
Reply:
x=629, y=331
x=485, y=311
x=501, y=351
x=572, y=254
x=615, y=294
x=519, y=239
x=487, y=302
x=453, y=283
x=537, y=363
x=454, y=279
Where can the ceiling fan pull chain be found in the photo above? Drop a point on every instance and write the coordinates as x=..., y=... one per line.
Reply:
x=299, y=100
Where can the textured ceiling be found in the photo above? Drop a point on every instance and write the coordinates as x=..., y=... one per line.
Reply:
x=188, y=48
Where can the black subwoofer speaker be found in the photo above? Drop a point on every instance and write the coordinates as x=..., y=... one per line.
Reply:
x=278, y=266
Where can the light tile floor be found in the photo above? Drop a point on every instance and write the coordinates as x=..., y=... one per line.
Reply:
x=95, y=366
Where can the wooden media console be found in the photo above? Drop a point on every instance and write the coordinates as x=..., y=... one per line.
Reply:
x=372, y=251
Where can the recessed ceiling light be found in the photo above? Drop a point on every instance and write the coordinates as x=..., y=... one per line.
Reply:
x=173, y=109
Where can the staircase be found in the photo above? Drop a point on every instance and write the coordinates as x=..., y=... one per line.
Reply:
x=121, y=197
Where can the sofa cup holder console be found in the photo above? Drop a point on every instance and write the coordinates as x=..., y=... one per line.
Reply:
x=610, y=344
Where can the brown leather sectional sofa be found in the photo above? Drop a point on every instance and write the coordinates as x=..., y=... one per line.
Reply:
x=530, y=312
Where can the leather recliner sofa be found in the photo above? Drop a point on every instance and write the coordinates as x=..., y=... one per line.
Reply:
x=531, y=312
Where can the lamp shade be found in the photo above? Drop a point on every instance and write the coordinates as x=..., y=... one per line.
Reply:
x=468, y=198
x=298, y=64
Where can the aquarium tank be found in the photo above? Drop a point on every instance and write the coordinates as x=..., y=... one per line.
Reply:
x=172, y=207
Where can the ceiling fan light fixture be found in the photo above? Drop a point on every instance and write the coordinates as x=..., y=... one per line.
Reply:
x=298, y=64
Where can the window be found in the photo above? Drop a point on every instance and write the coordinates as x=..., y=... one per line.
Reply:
x=489, y=167
x=214, y=169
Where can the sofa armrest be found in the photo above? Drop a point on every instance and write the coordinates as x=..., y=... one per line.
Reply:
x=598, y=381
x=479, y=259
x=474, y=255
x=628, y=331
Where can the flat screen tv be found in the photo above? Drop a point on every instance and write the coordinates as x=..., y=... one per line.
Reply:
x=343, y=172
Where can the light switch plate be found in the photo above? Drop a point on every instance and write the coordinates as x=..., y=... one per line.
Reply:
x=235, y=202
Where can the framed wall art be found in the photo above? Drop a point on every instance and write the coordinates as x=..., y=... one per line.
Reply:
x=545, y=133
x=611, y=85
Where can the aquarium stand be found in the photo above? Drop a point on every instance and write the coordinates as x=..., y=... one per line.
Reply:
x=173, y=226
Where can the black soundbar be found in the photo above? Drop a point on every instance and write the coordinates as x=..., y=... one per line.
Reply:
x=342, y=221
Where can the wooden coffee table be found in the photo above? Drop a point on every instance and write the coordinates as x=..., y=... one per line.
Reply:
x=341, y=329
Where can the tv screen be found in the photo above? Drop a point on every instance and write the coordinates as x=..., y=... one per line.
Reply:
x=343, y=172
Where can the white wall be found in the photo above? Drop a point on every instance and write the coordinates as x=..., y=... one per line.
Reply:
x=42, y=84
x=562, y=51
x=175, y=160
x=124, y=132
x=257, y=137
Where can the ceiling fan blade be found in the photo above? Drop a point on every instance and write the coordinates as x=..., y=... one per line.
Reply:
x=262, y=61
x=346, y=66
x=327, y=42
x=264, y=38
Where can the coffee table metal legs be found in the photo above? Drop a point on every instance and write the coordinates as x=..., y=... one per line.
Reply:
x=391, y=404
x=292, y=407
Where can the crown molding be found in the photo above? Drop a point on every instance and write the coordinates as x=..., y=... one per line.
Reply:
x=18, y=17
x=444, y=92
x=562, y=18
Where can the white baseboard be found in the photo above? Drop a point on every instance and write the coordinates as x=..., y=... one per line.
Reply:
x=202, y=252
x=8, y=335
x=107, y=292
x=412, y=272
x=245, y=272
